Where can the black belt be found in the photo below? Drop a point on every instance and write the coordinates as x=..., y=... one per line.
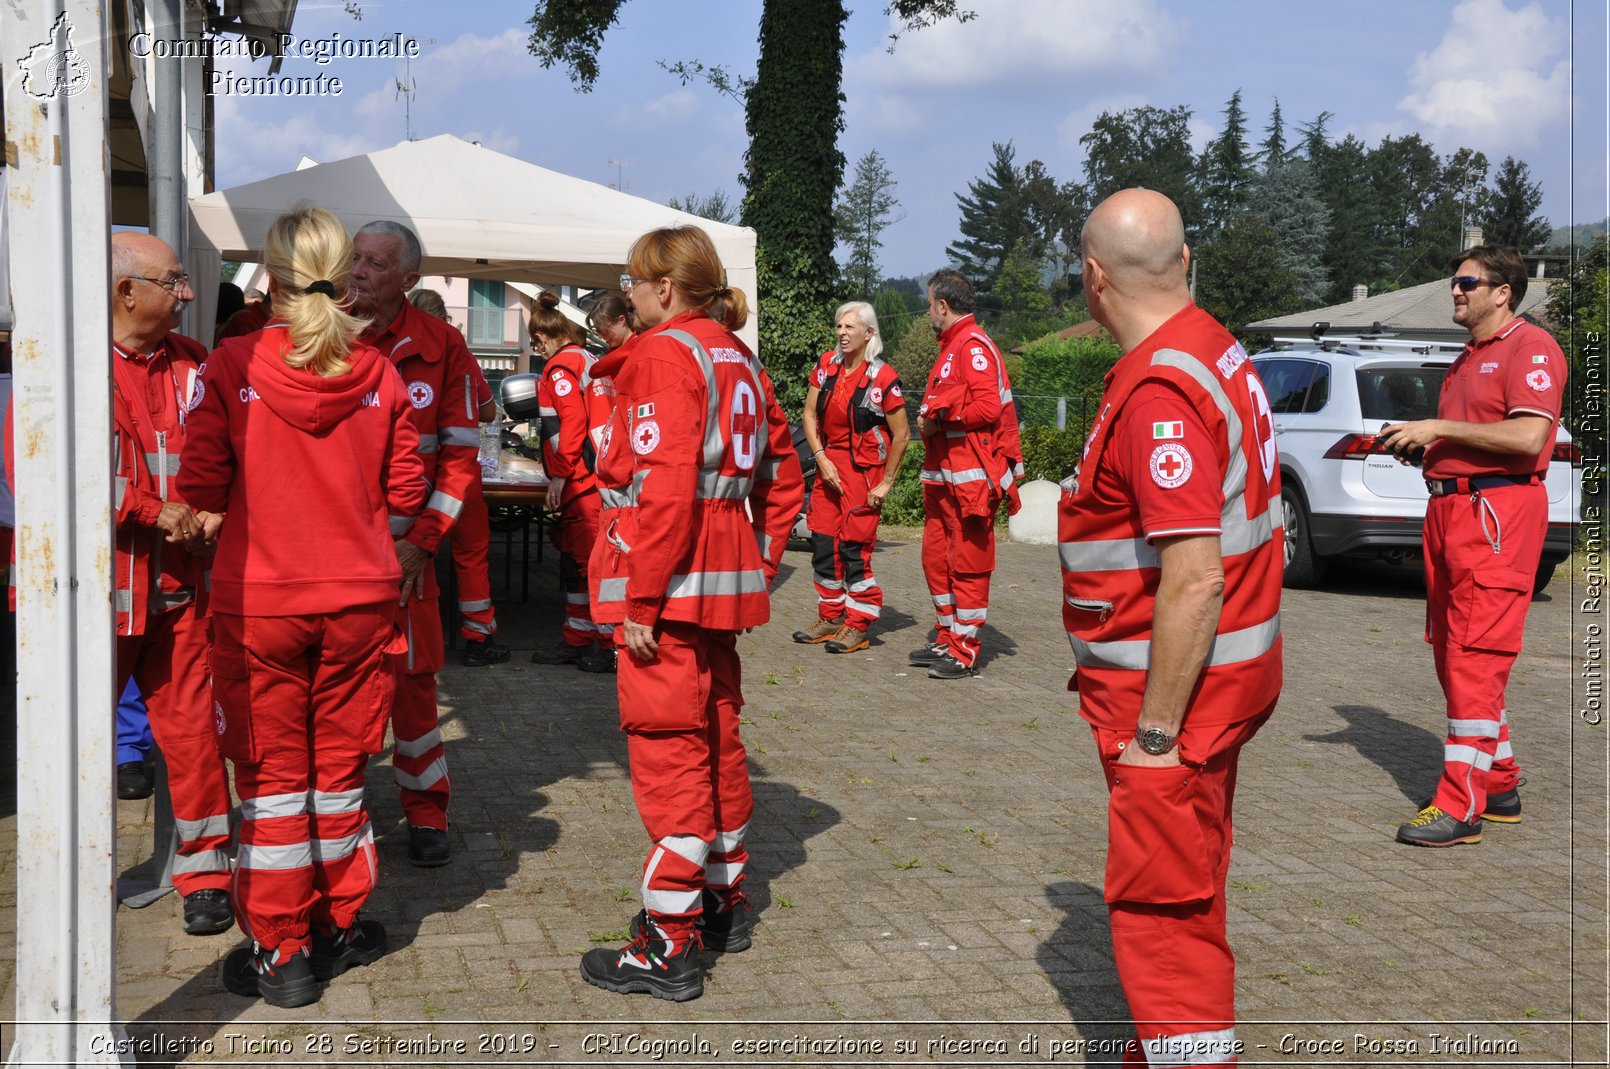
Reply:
x=1465, y=484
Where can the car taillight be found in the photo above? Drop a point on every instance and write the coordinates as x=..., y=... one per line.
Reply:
x=1354, y=447
x=1567, y=453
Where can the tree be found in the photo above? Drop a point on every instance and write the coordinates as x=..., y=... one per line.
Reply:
x=1239, y=277
x=1224, y=173
x=861, y=215
x=793, y=112
x=1273, y=152
x=992, y=222
x=1351, y=253
x=1143, y=146
x=1055, y=213
x=716, y=207
x=1287, y=198
x=1577, y=310
x=1509, y=212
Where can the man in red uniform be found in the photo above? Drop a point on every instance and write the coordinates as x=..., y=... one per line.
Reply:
x=161, y=581
x=969, y=441
x=1171, y=565
x=1485, y=457
x=439, y=371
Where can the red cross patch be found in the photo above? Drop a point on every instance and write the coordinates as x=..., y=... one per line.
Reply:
x=645, y=437
x=421, y=394
x=1539, y=380
x=1171, y=465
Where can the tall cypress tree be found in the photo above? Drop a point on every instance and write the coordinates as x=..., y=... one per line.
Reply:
x=1225, y=171
x=992, y=222
x=1509, y=212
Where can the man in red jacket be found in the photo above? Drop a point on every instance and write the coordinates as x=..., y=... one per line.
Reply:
x=439, y=372
x=162, y=546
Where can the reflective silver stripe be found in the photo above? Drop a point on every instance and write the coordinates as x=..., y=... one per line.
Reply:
x=1480, y=729
x=327, y=850
x=217, y=824
x=766, y=470
x=1467, y=755
x=656, y=900
x=1192, y=1048
x=966, y=475
x=695, y=585
x=434, y=773
x=1503, y=751
x=427, y=443
x=713, y=448
x=711, y=484
x=295, y=856
x=446, y=504
x=547, y=413
x=722, y=873
x=201, y=861
x=421, y=746
x=1232, y=647
x=728, y=841
x=162, y=464
x=864, y=607
x=475, y=606
x=1126, y=554
x=765, y=544
x=120, y=487
x=123, y=601
x=576, y=623
x=615, y=499
x=972, y=615
x=476, y=626
x=942, y=600
x=273, y=805
x=863, y=586
x=401, y=525
x=163, y=601
x=328, y=803
x=577, y=598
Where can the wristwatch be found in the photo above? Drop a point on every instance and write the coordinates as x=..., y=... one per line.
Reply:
x=1154, y=741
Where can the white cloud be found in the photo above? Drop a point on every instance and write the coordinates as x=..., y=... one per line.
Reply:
x=676, y=107
x=1491, y=83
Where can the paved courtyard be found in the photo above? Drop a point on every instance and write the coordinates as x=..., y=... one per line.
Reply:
x=928, y=860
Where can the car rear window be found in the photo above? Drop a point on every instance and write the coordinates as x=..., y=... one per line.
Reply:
x=1396, y=394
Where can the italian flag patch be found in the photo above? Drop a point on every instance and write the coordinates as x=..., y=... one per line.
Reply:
x=1540, y=359
x=1175, y=429
x=645, y=411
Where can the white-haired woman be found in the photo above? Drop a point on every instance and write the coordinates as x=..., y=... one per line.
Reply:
x=855, y=422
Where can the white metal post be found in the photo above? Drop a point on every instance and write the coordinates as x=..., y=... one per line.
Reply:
x=58, y=205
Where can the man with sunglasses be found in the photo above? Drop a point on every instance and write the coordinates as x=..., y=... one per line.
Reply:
x=162, y=545
x=1485, y=456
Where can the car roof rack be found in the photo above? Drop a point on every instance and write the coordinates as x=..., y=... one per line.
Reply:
x=1376, y=340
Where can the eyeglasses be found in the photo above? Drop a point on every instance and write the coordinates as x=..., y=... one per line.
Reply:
x=172, y=285
x=627, y=282
x=1469, y=283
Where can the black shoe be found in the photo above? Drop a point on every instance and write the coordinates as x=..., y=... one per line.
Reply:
x=361, y=944
x=948, y=667
x=428, y=848
x=208, y=912
x=649, y=965
x=1501, y=808
x=255, y=971
x=597, y=659
x=133, y=781
x=564, y=653
x=1432, y=827
x=723, y=926
x=926, y=655
x=481, y=654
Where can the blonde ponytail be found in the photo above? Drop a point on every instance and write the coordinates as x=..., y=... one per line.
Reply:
x=309, y=256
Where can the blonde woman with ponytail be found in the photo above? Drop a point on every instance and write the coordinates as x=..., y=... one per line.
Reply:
x=302, y=436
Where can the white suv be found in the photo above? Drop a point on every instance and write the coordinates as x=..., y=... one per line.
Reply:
x=1343, y=497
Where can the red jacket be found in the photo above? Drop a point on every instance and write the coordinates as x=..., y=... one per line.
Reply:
x=878, y=394
x=568, y=450
x=440, y=374
x=152, y=397
x=696, y=433
x=1110, y=571
x=308, y=470
x=977, y=450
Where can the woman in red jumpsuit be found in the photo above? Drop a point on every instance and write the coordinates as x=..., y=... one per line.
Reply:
x=301, y=435
x=701, y=486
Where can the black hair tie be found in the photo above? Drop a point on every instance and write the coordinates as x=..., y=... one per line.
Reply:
x=324, y=286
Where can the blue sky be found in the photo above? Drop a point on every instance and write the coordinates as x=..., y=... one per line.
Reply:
x=1494, y=75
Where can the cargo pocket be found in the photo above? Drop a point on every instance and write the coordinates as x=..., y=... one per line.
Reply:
x=232, y=693
x=861, y=525
x=1492, y=609
x=669, y=693
x=1155, y=849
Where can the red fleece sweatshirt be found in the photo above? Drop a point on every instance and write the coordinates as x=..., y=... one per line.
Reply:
x=307, y=470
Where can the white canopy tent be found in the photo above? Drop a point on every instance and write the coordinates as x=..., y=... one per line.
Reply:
x=478, y=213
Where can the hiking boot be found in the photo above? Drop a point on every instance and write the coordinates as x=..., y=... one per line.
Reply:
x=481, y=654
x=723, y=926
x=597, y=658
x=824, y=630
x=1432, y=827
x=280, y=981
x=848, y=640
x=208, y=912
x=1501, y=808
x=564, y=653
x=923, y=656
x=428, y=848
x=948, y=667
x=360, y=944
x=133, y=781
x=651, y=964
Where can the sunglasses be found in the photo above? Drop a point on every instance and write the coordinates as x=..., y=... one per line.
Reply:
x=1470, y=283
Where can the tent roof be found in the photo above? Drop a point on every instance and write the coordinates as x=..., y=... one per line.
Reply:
x=478, y=213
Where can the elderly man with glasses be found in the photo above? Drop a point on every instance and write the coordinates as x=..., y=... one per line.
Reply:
x=162, y=550
x=1485, y=456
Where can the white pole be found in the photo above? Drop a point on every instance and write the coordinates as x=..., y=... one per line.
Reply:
x=58, y=205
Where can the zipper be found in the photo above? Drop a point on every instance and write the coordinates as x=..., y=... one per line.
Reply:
x=1095, y=605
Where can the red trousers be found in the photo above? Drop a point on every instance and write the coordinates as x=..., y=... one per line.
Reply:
x=958, y=557
x=304, y=702
x=169, y=662
x=418, y=758
x=1168, y=855
x=575, y=534
x=844, y=529
x=690, y=776
x=472, y=539
x=1481, y=559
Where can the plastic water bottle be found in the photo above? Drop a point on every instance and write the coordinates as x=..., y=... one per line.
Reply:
x=491, y=452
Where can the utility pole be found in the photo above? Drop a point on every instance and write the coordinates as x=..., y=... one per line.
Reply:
x=620, y=183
